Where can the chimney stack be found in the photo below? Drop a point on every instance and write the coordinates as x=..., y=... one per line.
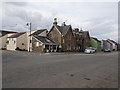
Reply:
x=63, y=24
x=55, y=21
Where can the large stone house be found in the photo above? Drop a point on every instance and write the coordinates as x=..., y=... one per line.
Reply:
x=69, y=39
x=82, y=39
x=63, y=36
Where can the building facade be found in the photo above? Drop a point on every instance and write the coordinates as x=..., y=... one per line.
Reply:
x=82, y=39
x=16, y=40
x=63, y=36
x=3, y=38
x=94, y=42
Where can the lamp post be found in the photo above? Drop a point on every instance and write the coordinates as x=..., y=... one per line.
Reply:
x=29, y=24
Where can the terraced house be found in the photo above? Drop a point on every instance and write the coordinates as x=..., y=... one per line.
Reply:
x=94, y=42
x=67, y=38
x=82, y=39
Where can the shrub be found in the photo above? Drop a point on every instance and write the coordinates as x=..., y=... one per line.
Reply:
x=3, y=49
x=17, y=48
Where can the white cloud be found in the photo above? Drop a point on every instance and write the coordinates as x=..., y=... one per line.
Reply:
x=98, y=18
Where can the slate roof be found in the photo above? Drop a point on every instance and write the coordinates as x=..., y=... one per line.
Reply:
x=81, y=34
x=96, y=39
x=3, y=32
x=38, y=32
x=44, y=40
x=63, y=29
x=16, y=35
x=112, y=41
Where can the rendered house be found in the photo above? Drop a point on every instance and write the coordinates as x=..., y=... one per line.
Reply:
x=16, y=40
x=28, y=38
x=106, y=45
x=3, y=38
x=63, y=36
x=41, y=43
x=82, y=39
x=94, y=42
x=114, y=44
x=21, y=40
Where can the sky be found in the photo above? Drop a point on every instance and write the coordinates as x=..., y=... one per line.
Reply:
x=99, y=18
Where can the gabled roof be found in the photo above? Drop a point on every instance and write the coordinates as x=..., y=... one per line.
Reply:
x=106, y=41
x=44, y=40
x=62, y=29
x=96, y=39
x=38, y=32
x=3, y=32
x=112, y=41
x=16, y=35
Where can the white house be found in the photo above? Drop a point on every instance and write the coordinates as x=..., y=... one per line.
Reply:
x=114, y=44
x=16, y=40
x=3, y=38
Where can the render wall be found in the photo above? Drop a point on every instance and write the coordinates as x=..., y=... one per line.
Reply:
x=12, y=44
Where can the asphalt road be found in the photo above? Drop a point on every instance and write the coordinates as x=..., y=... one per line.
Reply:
x=30, y=70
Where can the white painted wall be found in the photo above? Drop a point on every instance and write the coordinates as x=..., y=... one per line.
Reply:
x=12, y=44
x=3, y=40
x=28, y=40
x=21, y=41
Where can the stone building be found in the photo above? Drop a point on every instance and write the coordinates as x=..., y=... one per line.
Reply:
x=67, y=38
x=63, y=36
x=82, y=39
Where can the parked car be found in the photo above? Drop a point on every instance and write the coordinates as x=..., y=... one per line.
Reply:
x=107, y=50
x=90, y=50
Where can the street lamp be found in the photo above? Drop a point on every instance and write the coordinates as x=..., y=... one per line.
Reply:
x=29, y=24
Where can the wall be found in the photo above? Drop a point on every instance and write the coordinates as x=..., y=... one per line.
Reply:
x=55, y=35
x=28, y=40
x=21, y=41
x=43, y=34
x=69, y=41
x=95, y=44
x=12, y=44
x=37, y=48
x=3, y=40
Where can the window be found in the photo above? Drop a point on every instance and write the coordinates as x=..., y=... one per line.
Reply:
x=23, y=44
x=37, y=44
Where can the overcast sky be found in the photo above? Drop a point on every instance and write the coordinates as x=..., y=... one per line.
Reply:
x=99, y=18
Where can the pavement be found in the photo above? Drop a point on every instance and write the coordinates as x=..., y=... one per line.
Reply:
x=74, y=70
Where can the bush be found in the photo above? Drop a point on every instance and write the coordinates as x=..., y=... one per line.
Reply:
x=17, y=49
x=3, y=49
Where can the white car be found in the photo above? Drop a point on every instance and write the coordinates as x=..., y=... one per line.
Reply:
x=107, y=50
x=90, y=50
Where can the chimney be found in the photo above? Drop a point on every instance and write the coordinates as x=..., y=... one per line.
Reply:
x=81, y=29
x=76, y=29
x=63, y=24
x=55, y=21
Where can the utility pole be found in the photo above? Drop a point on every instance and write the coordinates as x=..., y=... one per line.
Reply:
x=29, y=24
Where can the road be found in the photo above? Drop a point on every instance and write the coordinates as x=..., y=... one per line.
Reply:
x=76, y=70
